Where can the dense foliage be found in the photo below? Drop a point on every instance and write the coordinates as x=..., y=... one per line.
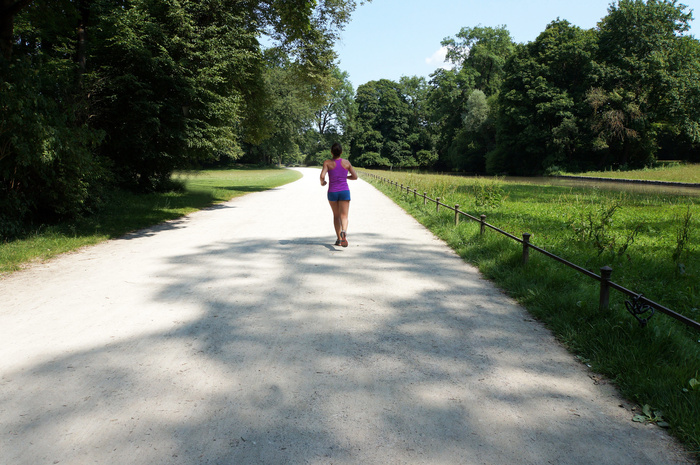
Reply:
x=390, y=127
x=96, y=94
x=622, y=95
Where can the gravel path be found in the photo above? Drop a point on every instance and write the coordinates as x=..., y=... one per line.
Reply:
x=241, y=335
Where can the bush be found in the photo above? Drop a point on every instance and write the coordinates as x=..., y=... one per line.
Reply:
x=317, y=158
x=47, y=167
x=371, y=160
x=426, y=158
x=488, y=193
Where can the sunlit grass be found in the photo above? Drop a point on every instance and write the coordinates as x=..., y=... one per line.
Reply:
x=652, y=365
x=125, y=212
x=687, y=173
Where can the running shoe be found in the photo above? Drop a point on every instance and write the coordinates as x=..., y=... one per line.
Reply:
x=343, y=239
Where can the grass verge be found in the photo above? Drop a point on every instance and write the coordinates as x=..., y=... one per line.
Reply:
x=689, y=173
x=125, y=212
x=649, y=240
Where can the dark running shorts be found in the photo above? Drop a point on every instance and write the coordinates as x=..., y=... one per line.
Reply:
x=335, y=196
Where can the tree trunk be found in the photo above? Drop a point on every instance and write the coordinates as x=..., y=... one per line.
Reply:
x=80, y=51
x=8, y=10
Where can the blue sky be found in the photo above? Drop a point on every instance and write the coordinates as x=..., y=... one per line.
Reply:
x=393, y=38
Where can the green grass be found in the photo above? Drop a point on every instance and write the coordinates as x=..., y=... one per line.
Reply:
x=651, y=366
x=689, y=173
x=125, y=212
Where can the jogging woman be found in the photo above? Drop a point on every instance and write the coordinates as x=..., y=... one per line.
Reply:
x=338, y=191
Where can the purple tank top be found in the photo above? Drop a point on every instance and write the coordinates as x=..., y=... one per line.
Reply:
x=338, y=177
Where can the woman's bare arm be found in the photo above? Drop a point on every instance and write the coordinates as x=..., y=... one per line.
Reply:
x=351, y=170
x=324, y=170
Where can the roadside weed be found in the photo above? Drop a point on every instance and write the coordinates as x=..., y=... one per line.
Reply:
x=650, y=415
x=682, y=235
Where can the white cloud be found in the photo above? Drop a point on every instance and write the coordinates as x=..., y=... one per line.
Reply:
x=438, y=59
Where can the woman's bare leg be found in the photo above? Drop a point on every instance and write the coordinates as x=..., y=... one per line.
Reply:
x=343, y=210
x=336, y=217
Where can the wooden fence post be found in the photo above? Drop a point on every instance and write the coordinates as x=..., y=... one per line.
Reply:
x=526, y=247
x=415, y=194
x=605, y=273
x=483, y=224
x=437, y=204
x=456, y=214
x=425, y=198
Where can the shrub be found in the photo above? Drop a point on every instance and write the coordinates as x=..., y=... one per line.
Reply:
x=371, y=160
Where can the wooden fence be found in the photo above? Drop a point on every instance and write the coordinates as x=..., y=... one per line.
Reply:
x=638, y=306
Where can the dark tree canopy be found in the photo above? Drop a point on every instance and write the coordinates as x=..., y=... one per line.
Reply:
x=111, y=92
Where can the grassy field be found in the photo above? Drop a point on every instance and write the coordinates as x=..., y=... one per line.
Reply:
x=675, y=173
x=650, y=241
x=125, y=212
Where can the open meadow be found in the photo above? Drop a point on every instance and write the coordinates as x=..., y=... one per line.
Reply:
x=649, y=240
x=675, y=172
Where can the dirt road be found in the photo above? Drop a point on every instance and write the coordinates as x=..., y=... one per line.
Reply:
x=241, y=335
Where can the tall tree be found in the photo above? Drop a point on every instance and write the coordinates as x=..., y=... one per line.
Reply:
x=333, y=120
x=542, y=117
x=335, y=115
x=9, y=9
x=290, y=112
x=421, y=134
x=479, y=55
x=447, y=99
x=483, y=52
x=637, y=99
x=390, y=127
x=48, y=169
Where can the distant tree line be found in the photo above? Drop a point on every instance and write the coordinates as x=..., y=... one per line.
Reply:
x=624, y=94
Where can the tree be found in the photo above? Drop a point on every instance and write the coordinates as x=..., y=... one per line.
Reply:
x=643, y=75
x=175, y=78
x=420, y=138
x=542, y=119
x=479, y=55
x=382, y=121
x=447, y=100
x=48, y=169
x=334, y=119
x=391, y=123
x=682, y=138
x=483, y=52
x=290, y=112
x=9, y=9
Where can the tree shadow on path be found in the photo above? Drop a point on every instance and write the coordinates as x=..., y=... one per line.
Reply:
x=296, y=351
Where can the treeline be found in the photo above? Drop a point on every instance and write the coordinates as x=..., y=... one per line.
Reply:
x=98, y=95
x=624, y=94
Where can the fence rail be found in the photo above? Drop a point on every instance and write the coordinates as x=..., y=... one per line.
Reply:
x=639, y=306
